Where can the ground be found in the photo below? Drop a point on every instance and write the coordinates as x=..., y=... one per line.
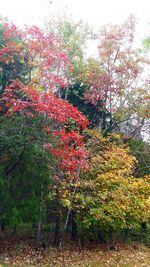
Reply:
x=17, y=252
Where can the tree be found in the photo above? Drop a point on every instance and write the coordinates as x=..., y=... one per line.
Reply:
x=109, y=198
x=43, y=127
x=117, y=82
x=141, y=151
x=11, y=64
x=75, y=36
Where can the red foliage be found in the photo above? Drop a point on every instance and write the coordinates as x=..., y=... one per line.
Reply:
x=70, y=150
x=10, y=38
x=27, y=100
x=48, y=64
x=119, y=67
x=46, y=54
x=41, y=52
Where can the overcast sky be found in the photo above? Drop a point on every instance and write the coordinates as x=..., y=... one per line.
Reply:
x=95, y=12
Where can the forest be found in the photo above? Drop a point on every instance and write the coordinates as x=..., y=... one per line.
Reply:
x=74, y=139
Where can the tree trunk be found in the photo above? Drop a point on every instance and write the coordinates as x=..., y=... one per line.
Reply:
x=47, y=242
x=74, y=233
x=126, y=234
x=144, y=227
x=82, y=240
x=39, y=224
x=37, y=235
x=101, y=238
x=57, y=234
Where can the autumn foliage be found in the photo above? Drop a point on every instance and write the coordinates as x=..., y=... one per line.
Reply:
x=45, y=59
x=56, y=175
x=110, y=197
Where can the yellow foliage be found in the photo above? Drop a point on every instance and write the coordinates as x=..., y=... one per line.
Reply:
x=112, y=196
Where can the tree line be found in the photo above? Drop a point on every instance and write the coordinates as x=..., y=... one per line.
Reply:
x=74, y=151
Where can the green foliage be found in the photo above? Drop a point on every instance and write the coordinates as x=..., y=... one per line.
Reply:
x=75, y=37
x=75, y=95
x=141, y=150
x=25, y=169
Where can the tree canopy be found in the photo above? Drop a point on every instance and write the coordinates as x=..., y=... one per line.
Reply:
x=74, y=151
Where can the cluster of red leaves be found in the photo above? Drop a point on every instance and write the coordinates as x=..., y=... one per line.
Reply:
x=71, y=144
x=101, y=85
x=43, y=55
x=12, y=47
x=41, y=52
x=10, y=31
x=7, y=53
x=27, y=101
x=45, y=51
x=119, y=66
x=21, y=98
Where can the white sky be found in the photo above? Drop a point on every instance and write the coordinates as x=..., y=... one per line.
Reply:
x=95, y=12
